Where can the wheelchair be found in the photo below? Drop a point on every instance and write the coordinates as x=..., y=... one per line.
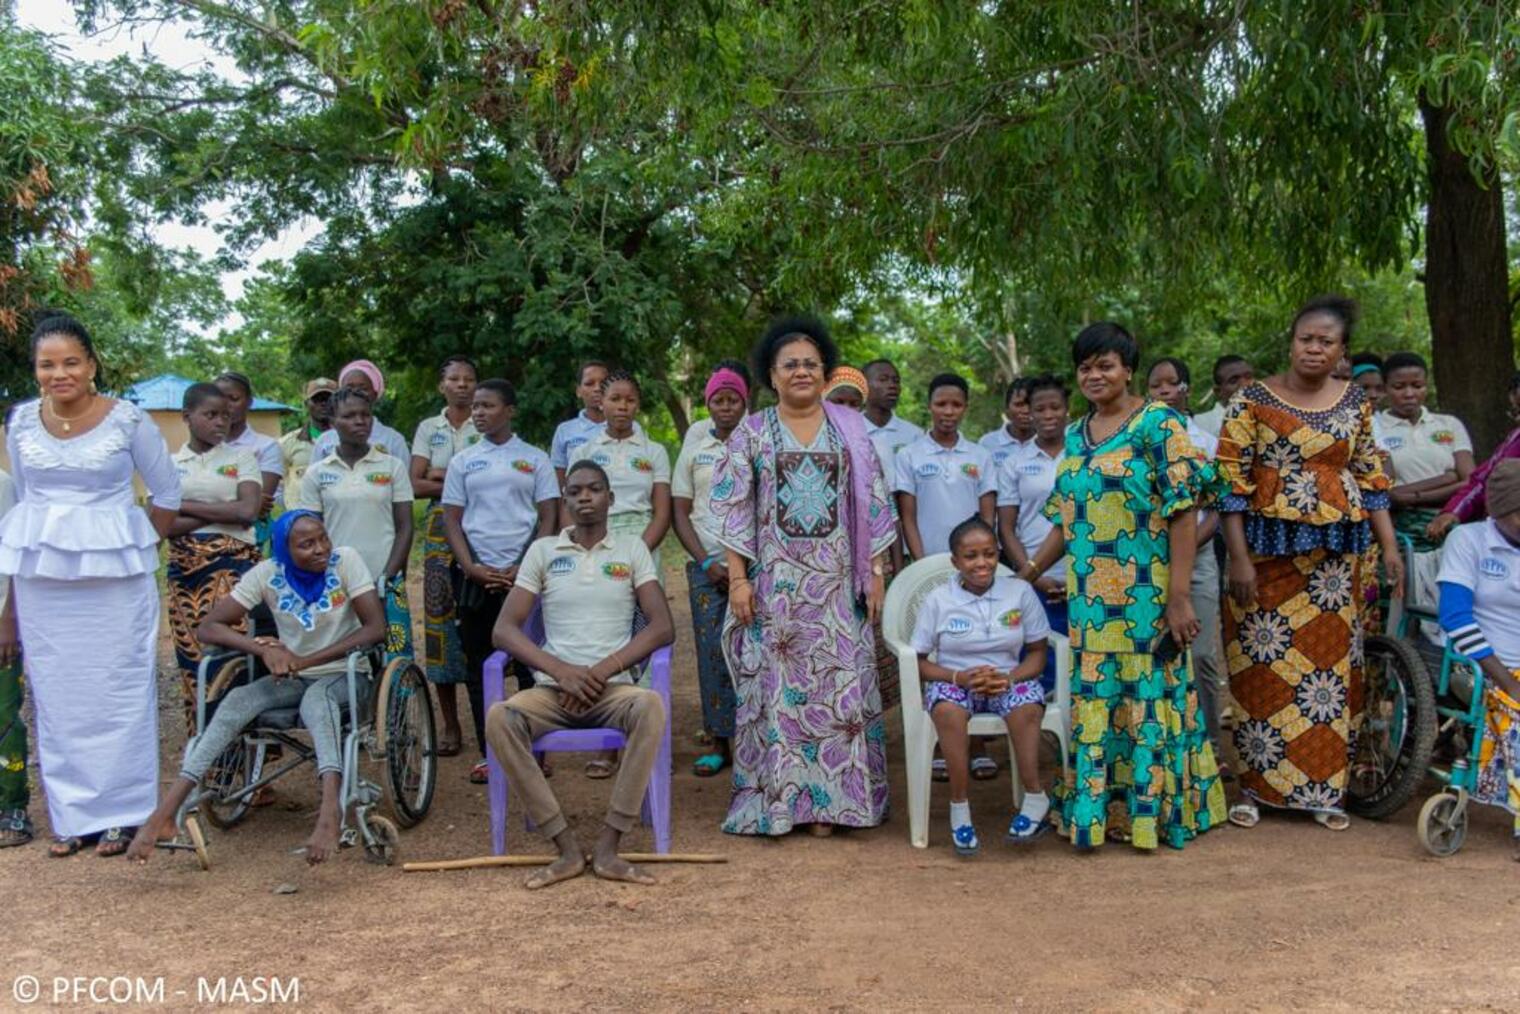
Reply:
x=391, y=725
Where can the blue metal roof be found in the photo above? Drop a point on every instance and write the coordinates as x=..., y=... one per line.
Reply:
x=166, y=392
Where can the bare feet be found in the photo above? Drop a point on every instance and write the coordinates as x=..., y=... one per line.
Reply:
x=324, y=839
x=149, y=835
x=611, y=866
x=568, y=866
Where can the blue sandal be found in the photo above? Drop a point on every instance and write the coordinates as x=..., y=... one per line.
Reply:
x=709, y=764
x=965, y=841
x=1022, y=830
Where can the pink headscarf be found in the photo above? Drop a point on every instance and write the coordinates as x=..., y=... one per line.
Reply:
x=726, y=379
x=370, y=370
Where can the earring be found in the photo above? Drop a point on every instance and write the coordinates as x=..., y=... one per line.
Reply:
x=93, y=388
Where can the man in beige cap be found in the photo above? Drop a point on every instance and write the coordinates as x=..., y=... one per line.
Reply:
x=295, y=446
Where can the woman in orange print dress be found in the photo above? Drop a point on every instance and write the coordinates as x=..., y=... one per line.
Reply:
x=1308, y=494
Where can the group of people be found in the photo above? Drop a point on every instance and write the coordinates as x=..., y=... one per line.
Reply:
x=1189, y=561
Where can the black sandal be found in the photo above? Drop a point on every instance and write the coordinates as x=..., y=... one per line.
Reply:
x=114, y=841
x=15, y=828
x=65, y=845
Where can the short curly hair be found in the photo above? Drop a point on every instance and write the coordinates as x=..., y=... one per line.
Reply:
x=785, y=330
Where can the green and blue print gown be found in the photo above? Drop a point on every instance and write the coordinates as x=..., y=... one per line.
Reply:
x=1138, y=742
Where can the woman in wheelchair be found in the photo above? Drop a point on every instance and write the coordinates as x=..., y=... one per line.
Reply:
x=976, y=625
x=1480, y=599
x=325, y=607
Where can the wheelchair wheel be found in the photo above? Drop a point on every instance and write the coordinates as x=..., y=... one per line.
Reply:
x=382, y=840
x=1443, y=823
x=1398, y=729
x=405, y=734
x=239, y=766
x=197, y=841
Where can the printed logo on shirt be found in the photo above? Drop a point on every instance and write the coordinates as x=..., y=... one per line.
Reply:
x=1012, y=618
x=928, y=470
x=337, y=597
x=475, y=465
x=438, y=439
x=561, y=565
x=325, y=479
x=602, y=458
x=641, y=465
x=706, y=459
x=378, y=478
x=523, y=465
x=1493, y=568
x=617, y=571
x=1443, y=437
x=573, y=442
x=970, y=471
x=957, y=625
x=1031, y=468
x=472, y=440
x=228, y=471
x=1394, y=443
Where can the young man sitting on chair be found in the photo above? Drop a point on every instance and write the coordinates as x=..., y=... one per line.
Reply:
x=589, y=582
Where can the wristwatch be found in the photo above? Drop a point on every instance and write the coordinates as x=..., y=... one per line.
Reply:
x=877, y=569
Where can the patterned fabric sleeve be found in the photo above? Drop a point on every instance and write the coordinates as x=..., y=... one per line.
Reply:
x=1236, y=455
x=734, y=510
x=1366, y=464
x=1184, y=478
x=883, y=519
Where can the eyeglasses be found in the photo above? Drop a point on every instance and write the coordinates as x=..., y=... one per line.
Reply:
x=796, y=365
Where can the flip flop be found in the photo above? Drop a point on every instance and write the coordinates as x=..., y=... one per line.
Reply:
x=964, y=840
x=114, y=841
x=600, y=768
x=1245, y=815
x=709, y=764
x=15, y=828
x=1332, y=821
x=984, y=768
x=64, y=846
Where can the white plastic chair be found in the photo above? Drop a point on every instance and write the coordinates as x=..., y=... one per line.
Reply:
x=904, y=597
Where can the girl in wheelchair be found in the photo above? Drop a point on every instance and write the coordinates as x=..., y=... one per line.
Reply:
x=977, y=624
x=325, y=607
x=1480, y=600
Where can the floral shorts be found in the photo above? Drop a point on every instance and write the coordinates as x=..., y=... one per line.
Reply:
x=1016, y=696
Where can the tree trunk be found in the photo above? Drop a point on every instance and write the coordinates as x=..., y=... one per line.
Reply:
x=1467, y=287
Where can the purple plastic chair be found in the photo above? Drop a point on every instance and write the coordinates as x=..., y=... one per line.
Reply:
x=656, y=811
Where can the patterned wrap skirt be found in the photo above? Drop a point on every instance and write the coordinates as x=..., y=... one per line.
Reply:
x=1499, y=753
x=708, y=607
x=1142, y=768
x=14, y=791
x=441, y=650
x=1295, y=660
x=202, y=569
x=398, y=620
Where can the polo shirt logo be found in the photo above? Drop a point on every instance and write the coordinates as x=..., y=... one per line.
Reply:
x=642, y=465
x=1493, y=568
x=472, y=440
x=438, y=439
x=325, y=479
x=1030, y=468
x=561, y=565
x=617, y=571
x=1443, y=437
x=475, y=465
x=378, y=478
x=707, y=459
x=926, y=471
x=337, y=597
x=602, y=458
x=1012, y=618
x=970, y=471
x=228, y=471
x=958, y=625
x=524, y=466
x=1394, y=443
x=574, y=442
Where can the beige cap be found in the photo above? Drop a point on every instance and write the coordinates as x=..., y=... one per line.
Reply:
x=319, y=385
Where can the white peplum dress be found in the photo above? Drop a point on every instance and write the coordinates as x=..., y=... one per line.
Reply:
x=82, y=556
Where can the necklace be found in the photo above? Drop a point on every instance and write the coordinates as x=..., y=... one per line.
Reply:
x=67, y=422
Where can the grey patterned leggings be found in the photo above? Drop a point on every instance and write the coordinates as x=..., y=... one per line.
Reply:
x=319, y=697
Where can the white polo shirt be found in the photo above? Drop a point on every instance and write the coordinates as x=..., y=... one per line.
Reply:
x=306, y=628
x=265, y=449
x=214, y=477
x=1211, y=420
x=587, y=595
x=1001, y=444
x=1478, y=557
x=1202, y=439
x=963, y=630
x=1424, y=448
x=500, y=487
x=692, y=479
x=380, y=435
x=355, y=502
x=438, y=440
x=948, y=483
x=889, y=439
x=570, y=434
x=1025, y=482
x=634, y=465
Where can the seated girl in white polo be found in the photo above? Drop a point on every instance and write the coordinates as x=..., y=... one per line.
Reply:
x=976, y=626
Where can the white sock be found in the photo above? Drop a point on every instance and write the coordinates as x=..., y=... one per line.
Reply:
x=1036, y=806
x=960, y=813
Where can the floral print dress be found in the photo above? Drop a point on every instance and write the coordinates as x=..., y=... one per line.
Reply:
x=809, y=745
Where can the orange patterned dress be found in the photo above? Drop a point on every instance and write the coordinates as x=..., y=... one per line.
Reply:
x=1306, y=482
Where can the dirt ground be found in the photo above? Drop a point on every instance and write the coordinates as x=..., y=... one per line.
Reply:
x=1288, y=915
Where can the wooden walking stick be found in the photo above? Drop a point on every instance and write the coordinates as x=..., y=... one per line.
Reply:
x=481, y=862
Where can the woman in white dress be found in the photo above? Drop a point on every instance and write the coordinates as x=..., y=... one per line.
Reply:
x=82, y=555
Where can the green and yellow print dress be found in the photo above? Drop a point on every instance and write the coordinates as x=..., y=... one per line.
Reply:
x=1138, y=743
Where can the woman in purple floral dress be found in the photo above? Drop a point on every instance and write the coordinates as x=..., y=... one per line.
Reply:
x=801, y=507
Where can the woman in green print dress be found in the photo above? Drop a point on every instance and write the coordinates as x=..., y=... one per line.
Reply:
x=1125, y=504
